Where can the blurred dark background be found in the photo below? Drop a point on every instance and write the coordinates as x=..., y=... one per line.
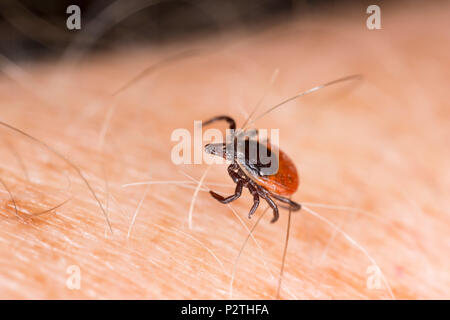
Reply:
x=32, y=29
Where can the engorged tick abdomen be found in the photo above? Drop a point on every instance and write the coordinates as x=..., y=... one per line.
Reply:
x=284, y=183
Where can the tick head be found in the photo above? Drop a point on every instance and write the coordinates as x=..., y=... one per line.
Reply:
x=220, y=150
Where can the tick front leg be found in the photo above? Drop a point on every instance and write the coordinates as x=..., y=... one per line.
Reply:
x=236, y=177
x=294, y=206
x=272, y=205
x=254, y=192
x=237, y=193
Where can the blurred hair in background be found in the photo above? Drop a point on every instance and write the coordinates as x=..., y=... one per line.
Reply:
x=31, y=29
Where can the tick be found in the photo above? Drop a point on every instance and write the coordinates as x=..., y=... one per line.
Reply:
x=250, y=171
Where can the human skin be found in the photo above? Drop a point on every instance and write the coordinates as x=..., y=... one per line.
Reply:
x=375, y=148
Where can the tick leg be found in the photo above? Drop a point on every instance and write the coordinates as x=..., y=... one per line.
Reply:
x=250, y=133
x=272, y=204
x=228, y=119
x=235, y=176
x=254, y=192
x=237, y=193
x=294, y=206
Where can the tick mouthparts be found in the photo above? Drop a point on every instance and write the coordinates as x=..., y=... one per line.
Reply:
x=208, y=148
x=216, y=149
x=211, y=149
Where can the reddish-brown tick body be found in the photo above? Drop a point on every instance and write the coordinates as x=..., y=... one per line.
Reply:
x=285, y=182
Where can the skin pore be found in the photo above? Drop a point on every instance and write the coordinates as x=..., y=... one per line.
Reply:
x=372, y=157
